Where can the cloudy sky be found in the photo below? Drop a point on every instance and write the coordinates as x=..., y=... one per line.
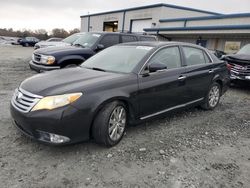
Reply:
x=49, y=14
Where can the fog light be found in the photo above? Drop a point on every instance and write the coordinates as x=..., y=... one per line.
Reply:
x=54, y=138
x=58, y=139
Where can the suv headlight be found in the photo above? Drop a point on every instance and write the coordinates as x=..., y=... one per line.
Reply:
x=47, y=59
x=52, y=102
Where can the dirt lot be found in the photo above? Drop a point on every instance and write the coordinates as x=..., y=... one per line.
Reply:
x=194, y=148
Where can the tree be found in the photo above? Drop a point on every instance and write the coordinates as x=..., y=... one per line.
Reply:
x=61, y=33
x=41, y=34
x=76, y=30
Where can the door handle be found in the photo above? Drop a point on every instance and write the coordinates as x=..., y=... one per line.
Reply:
x=210, y=71
x=182, y=78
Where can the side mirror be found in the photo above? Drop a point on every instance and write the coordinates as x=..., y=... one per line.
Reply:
x=222, y=57
x=99, y=47
x=154, y=67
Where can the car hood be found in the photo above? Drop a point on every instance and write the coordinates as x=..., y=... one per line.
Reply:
x=244, y=58
x=64, y=50
x=67, y=81
x=47, y=44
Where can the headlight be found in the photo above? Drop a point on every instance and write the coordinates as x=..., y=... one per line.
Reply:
x=52, y=102
x=47, y=59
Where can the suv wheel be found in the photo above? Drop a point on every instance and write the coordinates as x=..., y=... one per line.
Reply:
x=26, y=44
x=110, y=123
x=213, y=97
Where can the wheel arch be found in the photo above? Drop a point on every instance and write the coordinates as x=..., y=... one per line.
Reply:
x=73, y=58
x=129, y=106
x=217, y=78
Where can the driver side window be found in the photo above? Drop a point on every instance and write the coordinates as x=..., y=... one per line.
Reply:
x=170, y=57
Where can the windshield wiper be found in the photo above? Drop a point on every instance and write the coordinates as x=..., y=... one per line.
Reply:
x=79, y=45
x=93, y=68
x=98, y=69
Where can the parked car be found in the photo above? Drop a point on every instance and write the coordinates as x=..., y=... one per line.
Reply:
x=239, y=64
x=218, y=53
x=65, y=42
x=84, y=47
x=15, y=41
x=28, y=41
x=47, y=43
x=9, y=40
x=123, y=84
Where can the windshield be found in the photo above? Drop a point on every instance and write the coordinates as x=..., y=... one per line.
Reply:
x=117, y=58
x=87, y=40
x=245, y=50
x=72, y=38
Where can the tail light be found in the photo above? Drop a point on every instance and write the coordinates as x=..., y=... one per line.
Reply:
x=229, y=66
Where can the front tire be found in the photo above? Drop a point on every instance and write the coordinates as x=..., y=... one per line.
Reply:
x=26, y=44
x=213, y=97
x=110, y=123
x=70, y=66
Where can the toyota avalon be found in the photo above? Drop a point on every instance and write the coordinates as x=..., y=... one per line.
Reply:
x=121, y=85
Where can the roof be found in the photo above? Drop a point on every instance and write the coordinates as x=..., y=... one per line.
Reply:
x=153, y=6
x=157, y=44
x=222, y=16
x=193, y=28
x=236, y=26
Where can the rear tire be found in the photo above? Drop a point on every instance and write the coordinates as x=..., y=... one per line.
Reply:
x=26, y=44
x=213, y=97
x=110, y=123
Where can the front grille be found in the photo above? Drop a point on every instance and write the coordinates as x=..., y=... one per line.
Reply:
x=240, y=69
x=36, y=58
x=24, y=101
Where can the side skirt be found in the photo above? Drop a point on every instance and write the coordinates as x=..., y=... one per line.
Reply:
x=172, y=108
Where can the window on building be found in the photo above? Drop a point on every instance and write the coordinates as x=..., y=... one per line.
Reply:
x=110, y=26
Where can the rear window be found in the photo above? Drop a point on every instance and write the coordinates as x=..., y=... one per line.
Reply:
x=147, y=38
x=128, y=38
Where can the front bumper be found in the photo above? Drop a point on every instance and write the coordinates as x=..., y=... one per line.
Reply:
x=238, y=76
x=67, y=121
x=41, y=68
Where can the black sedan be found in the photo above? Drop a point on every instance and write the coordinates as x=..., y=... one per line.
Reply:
x=124, y=84
x=28, y=41
x=239, y=64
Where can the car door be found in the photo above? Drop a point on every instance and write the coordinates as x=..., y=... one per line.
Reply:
x=165, y=89
x=199, y=72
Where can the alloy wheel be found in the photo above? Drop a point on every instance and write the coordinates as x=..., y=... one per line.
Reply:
x=214, y=96
x=117, y=123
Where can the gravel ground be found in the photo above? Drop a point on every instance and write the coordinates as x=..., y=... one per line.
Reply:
x=194, y=148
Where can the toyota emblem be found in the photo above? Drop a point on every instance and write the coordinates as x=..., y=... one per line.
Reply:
x=19, y=96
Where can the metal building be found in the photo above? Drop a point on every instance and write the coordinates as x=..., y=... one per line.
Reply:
x=212, y=30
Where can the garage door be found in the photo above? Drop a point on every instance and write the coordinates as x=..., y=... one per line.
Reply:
x=139, y=25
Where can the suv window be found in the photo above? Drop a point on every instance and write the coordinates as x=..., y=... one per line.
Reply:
x=109, y=40
x=168, y=56
x=128, y=38
x=147, y=38
x=194, y=56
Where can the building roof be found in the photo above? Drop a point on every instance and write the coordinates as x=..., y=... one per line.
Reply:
x=193, y=28
x=153, y=6
x=234, y=25
x=212, y=17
